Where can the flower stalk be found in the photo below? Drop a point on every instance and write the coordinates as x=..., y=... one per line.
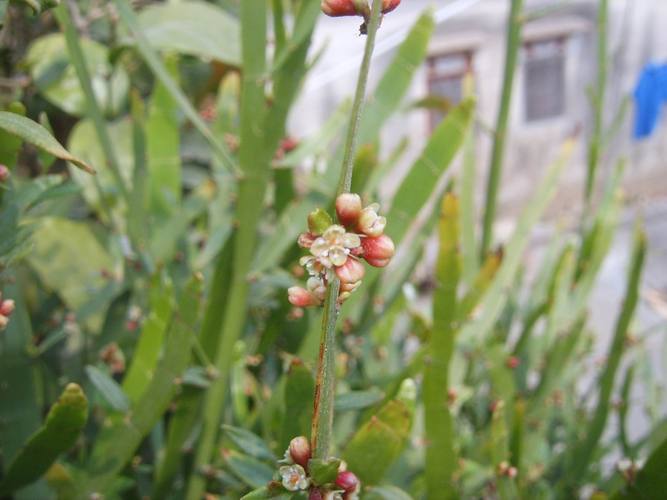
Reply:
x=325, y=382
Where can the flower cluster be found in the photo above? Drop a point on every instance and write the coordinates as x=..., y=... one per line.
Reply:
x=338, y=8
x=6, y=310
x=294, y=475
x=337, y=249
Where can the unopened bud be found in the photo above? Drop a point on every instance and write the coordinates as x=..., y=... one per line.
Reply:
x=389, y=5
x=299, y=450
x=370, y=223
x=338, y=8
x=378, y=251
x=347, y=481
x=319, y=221
x=300, y=297
x=4, y=173
x=348, y=209
x=7, y=307
x=350, y=272
x=4, y=321
x=513, y=362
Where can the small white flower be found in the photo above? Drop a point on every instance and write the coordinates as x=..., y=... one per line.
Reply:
x=294, y=477
x=370, y=223
x=332, y=248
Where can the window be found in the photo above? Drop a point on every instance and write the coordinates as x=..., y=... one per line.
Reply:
x=544, y=79
x=445, y=81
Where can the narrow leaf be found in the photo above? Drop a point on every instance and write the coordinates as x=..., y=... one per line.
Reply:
x=33, y=133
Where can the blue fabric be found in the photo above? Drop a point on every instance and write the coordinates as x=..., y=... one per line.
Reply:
x=650, y=96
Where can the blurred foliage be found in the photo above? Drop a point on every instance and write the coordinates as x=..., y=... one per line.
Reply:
x=158, y=284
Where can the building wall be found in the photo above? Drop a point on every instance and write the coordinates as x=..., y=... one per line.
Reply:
x=635, y=39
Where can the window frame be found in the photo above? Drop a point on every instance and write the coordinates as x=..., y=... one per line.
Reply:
x=433, y=76
x=561, y=43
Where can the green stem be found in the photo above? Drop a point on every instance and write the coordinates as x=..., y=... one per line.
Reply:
x=515, y=23
x=598, y=103
x=92, y=107
x=255, y=158
x=358, y=104
x=326, y=371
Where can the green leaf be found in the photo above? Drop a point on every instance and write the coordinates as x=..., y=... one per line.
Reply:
x=153, y=332
x=109, y=389
x=386, y=493
x=60, y=431
x=358, y=400
x=129, y=19
x=421, y=180
x=33, y=133
x=69, y=260
x=163, y=147
x=249, y=442
x=584, y=451
x=650, y=480
x=249, y=470
x=101, y=192
x=379, y=442
x=116, y=446
x=52, y=71
x=441, y=460
x=194, y=28
x=323, y=471
x=496, y=296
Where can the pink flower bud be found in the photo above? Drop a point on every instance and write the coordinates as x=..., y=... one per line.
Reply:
x=299, y=450
x=389, y=5
x=350, y=272
x=370, y=223
x=4, y=321
x=7, y=307
x=378, y=251
x=348, y=209
x=347, y=481
x=4, y=173
x=300, y=297
x=337, y=8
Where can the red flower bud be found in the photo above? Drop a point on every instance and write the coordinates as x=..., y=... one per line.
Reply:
x=299, y=450
x=4, y=173
x=513, y=362
x=7, y=307
x=347, y=481
x=378, y=251
x=389, y=5
x=300, y=297
x=350, y=272
x=337, y=8
x=348, y=209
x=289, y=144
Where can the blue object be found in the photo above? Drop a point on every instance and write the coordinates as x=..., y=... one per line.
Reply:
x=650, y=96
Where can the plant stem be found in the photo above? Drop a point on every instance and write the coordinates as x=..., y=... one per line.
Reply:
x=598, y=104
x=325, y=385
x=514, y=25
x=358, y=104
x=92, y=107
